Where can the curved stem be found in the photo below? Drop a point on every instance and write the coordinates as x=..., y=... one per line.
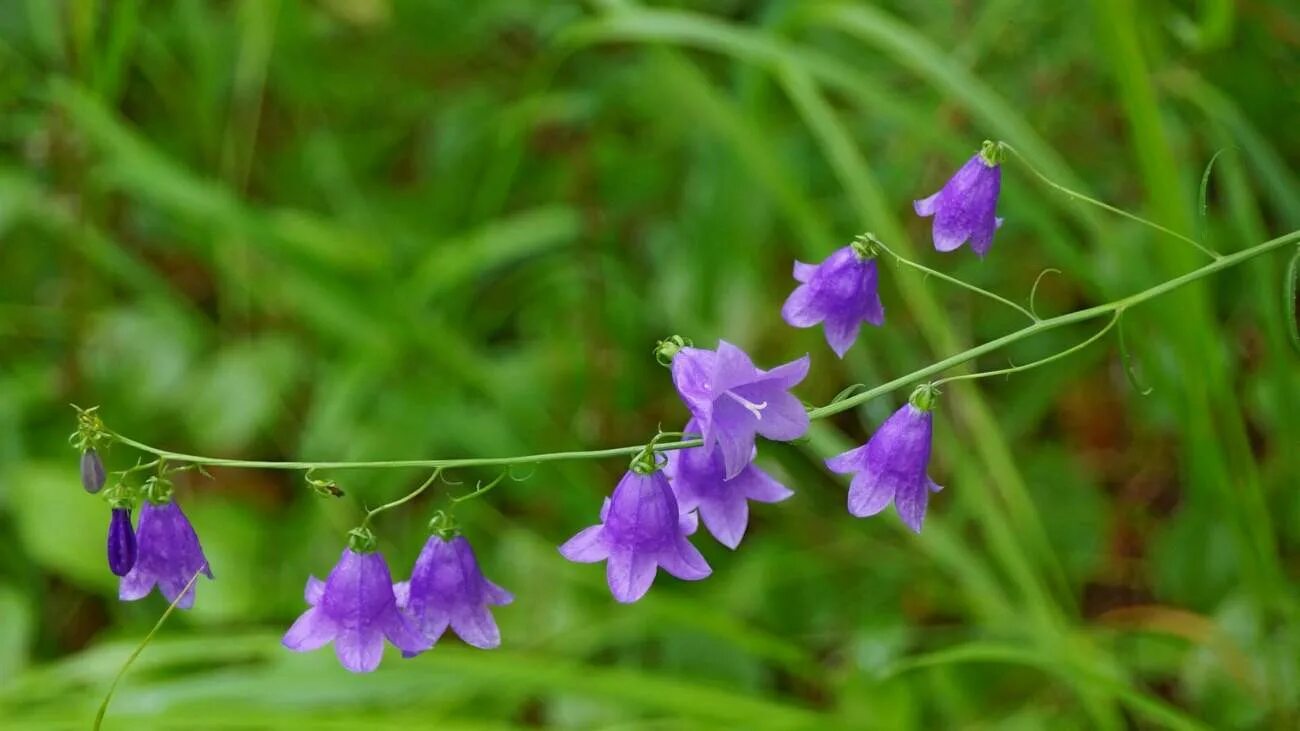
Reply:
x=1118, y=211
x=953, y=280
x=844, y=404
x=1041, y=361
x=401, y=500
x=121, y=672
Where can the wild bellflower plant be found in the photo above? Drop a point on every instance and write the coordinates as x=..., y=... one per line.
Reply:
x=168, y=555
x=892, y=465
x=698, y=479
x=964, y=209
x=641, y=531
x=447, y=589
x=355, y=608
x=839, y=293
x=732, y=401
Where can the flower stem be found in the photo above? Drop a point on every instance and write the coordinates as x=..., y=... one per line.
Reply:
x=401, y=500
x=1041, y=361
x=1106, y=206
x=121, y=672
x=1039, y=326
x=953, y=280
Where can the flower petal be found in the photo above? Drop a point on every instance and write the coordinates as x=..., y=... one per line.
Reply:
x=476, y=626
x=910, y=503
x=588, y=546
x=313, y=630
x=784, y=419
x=801, y=307
x=926, y=206
x=868, y=495
x=789, y=375
x=314, y=590
x=630, y=574
x=401, y=594
x=845, y=463
x=756, y=484
x=404, y=633
x=495, y=595
x=726, y=517
x=684, y=561
x=360, y=650
x=804, y=272
x=136, y=584
x=841, y=332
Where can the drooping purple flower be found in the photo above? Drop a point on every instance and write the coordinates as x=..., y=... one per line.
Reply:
x=448, y=589
x=641, y=531
x=965, y=207
x=121, y=542
x=699, y=482
x=840, y=293
x=732, y=400
x=168, y=555
x=891, y=466
x=355, y=608
x=92, y=471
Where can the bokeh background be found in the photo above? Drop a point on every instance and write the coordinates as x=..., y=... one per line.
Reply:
x=360, y=229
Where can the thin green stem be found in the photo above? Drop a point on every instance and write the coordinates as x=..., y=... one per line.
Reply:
x=1106, y=206
x=844, y=404
x=1040, y=362
x=121, y=672
x=408, y=497
x=1091, y=313
x=953, y=280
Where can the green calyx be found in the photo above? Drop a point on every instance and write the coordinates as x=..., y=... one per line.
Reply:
x=866, y=246
x=91, y=432
x=667, y=349
x=924, y=397
x=361, y=540
x=992, y=154
x=444, y=525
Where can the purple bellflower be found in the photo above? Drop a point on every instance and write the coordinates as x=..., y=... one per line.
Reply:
x=840, y=293
x=732, y=400
x=121, y=542
x=640, y=532
x=168, y=555
x=355, y=608
x=891, y=466
x=698, y=480
x=92, y=471
x=965, y=208
x=448, y=589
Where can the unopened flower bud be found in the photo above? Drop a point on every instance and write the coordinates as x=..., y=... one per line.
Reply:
x=121, y=542
x=92, y=471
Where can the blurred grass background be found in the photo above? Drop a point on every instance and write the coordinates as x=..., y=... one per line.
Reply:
x=361, y=229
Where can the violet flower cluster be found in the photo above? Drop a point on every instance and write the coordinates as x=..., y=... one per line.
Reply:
x=359, y=606
x=647, y=522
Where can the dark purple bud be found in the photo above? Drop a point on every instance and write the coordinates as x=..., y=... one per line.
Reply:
x=121, y=542
x=92, y=471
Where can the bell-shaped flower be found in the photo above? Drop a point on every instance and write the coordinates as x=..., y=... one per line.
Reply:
x=839, y=293
x=640, y=532
x=168, y=555
x=447, y=589
x=355, y=608
x=892, y=465
x=965, y=208
x=121, y=542
x=699, y=482
x=732, y=401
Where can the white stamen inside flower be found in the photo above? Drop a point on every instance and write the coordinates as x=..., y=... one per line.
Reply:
x=754, y=408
